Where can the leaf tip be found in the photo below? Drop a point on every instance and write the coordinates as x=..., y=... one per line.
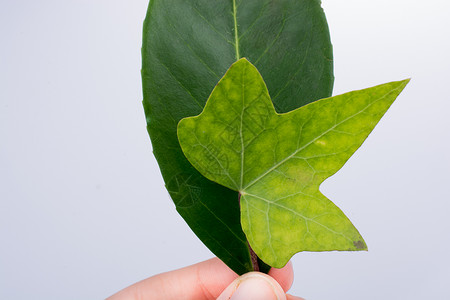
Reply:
x=406, y=81
x=360, y=245
x=242, y=59
x=403, y=83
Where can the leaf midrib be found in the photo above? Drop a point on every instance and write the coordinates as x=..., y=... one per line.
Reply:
x=236, y=36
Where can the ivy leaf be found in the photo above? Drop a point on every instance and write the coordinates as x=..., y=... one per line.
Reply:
x=278, y=161
x=187, y=47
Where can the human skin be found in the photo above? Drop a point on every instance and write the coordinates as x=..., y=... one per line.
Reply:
x=211, y=280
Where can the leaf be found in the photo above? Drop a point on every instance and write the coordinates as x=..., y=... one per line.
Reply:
x=278, y=161
x=187, y=47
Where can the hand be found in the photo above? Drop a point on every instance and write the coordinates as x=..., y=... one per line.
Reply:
x=211, y=280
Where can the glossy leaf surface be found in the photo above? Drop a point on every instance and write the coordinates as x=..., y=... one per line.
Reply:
x=278, y=161
x=187, y=48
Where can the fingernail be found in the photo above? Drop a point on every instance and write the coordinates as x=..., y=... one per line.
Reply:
x=257, y=287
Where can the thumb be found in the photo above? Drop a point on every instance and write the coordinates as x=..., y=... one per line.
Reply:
x=253, y=286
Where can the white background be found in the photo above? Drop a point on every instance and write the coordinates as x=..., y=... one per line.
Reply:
x=83, y=209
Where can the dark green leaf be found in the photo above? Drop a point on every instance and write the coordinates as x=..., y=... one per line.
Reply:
x=187, y=48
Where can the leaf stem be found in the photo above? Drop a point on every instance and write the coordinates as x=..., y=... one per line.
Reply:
x=254, y=258
x=253, y=255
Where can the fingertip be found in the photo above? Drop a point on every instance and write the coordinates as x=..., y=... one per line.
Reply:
x=253, y=285
x=213, y=276
x=284, y=276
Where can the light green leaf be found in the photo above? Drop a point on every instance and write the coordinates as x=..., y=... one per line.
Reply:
x=278, y=161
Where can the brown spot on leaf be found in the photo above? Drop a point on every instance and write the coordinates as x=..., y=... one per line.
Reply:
x=360, y=245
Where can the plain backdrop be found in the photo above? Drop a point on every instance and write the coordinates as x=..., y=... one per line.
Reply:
x=83, y=208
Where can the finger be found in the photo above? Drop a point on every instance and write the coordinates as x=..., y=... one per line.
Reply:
x=284, y=276
x=253, y=286
x=202, y=281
